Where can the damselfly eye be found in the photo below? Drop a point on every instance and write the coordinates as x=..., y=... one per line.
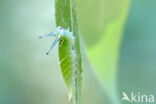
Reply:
x=61, y=28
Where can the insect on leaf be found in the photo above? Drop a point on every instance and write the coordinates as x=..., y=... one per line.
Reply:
x=69, y=50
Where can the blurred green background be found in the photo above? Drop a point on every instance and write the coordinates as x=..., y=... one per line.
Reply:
x=28, y=76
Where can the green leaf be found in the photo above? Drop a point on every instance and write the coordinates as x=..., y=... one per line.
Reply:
x=69, y=52
x=101, y=24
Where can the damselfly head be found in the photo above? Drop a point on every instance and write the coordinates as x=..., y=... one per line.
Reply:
x=60, y=30
x=58, y=33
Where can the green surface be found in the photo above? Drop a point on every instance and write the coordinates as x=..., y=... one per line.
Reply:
x=69, y=52
x=29, y=76
x=102, y=25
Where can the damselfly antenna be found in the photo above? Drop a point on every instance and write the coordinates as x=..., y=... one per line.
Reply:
x=58, y=33
x=48, y=34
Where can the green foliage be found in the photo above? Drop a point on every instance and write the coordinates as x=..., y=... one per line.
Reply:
x=101, y=24
x=69, y=52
